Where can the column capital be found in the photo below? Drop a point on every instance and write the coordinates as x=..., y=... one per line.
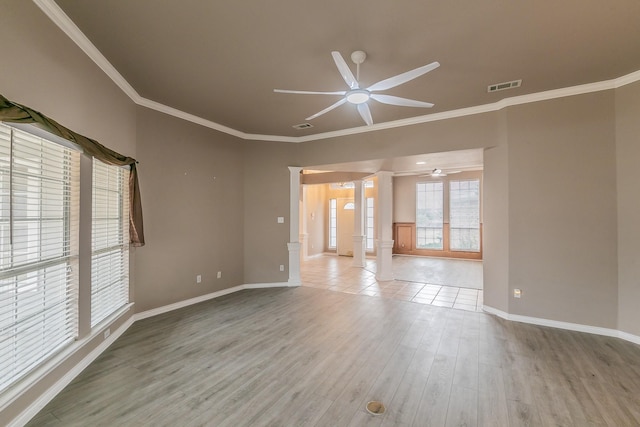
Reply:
x=295, y=169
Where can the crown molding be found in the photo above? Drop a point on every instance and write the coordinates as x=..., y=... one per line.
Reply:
x=57, y=15
x=62, y=20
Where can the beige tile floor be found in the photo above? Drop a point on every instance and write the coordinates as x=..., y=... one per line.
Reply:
x=336, y=273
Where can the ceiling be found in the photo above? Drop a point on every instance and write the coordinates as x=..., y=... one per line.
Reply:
x=221, y=60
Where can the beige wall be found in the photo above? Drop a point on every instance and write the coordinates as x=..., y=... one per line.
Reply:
x=475, y=131
x=559, y=222
x=495, y=237
x=628, y=162
x=42, y=68
x=266, y=195
x=547, y=179
x=562, y=209
x=191, y=180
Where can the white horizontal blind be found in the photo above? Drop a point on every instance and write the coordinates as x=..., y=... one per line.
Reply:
x=39, y=182
x=110, y=241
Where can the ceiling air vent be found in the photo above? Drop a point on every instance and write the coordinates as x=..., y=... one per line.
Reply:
x=302, y=126
x=503, y=86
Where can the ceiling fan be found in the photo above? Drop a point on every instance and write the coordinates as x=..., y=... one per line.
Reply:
x=359, y=96
x=437, y=172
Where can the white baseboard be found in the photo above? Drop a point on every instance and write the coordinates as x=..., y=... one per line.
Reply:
x=563, y=325
x=186, y=303
x=46, y=397
x=56, y=388
x=206, y=297
x=629, y=337
x=265, y=285
x=59, y=385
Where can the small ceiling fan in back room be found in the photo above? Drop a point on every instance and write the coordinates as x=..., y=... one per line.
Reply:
x=359, y=96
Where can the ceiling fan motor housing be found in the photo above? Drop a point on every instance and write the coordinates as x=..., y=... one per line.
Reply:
x=358, y=57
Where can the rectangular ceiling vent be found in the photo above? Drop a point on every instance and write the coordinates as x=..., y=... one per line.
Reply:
x=302, y=126
x=504, y=86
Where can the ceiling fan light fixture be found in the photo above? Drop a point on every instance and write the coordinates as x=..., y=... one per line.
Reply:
x=358, y=96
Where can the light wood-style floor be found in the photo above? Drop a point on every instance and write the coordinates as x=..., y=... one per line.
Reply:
x=312, y=357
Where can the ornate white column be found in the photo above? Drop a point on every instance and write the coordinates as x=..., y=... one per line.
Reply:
x=294, y=226
x=304, y=234
x=384, y=268
x=359, y=250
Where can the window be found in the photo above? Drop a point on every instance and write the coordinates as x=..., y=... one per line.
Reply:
x=109, y=241
x=370, y=230
x=39, y=183
x=333, y=223
x=429, y=215
x=464, y=215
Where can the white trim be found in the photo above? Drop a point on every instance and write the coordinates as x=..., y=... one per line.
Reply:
x=206, y=297
x=57, y=15
x=563, y=325
x=266, y=285
x=185, y=303
x=629, y=337
x=46, y=397
x=35, y=130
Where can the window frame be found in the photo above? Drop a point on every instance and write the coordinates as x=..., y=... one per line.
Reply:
x=434, y=233
x=51, y=179
x=332, y=242
x=370, y=230
x=451, y=221
x=109, y=261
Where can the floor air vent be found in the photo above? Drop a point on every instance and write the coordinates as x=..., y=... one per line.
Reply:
x=302, y=126
x=503, y=86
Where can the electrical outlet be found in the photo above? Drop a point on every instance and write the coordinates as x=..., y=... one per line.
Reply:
x=281, y=267
x=219, y=274
x=280, y=220
x=199, y=278
x=517, y=293
x=107, y=332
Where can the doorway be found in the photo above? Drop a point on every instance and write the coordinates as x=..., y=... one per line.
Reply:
x=346, y=209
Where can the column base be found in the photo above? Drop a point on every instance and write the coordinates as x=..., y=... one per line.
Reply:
x=384, y=267
x=359, y=251
x=294, y=264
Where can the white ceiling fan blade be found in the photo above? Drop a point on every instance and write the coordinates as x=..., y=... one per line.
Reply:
x=403, y=102
x=326, y=110
x=403, y=78
x=308, y=92
x=344, y=69
x=365, y=113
